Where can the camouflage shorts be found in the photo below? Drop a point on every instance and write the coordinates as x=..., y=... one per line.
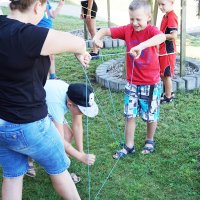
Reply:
x=143, y=100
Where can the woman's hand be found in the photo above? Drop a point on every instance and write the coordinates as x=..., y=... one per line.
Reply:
x=84, y=59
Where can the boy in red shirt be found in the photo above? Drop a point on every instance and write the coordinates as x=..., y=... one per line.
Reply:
x=143, y=90
x=167, y=50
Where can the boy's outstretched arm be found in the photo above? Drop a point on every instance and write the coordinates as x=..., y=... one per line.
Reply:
x=99, y=35
x=155, y=40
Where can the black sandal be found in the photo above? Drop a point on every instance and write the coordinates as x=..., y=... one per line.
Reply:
x=149, y=150
x=121, y=153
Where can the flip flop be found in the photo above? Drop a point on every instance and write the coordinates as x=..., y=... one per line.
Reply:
x=75, y=178
x=31, y=172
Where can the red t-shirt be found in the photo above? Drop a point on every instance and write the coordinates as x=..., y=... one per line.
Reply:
x=145, y=70
x=169, y=24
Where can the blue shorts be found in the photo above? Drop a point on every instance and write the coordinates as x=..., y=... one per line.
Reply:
x=39, y=140
x=143, y=100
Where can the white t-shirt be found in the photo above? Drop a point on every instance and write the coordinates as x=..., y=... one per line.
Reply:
x=56, y=99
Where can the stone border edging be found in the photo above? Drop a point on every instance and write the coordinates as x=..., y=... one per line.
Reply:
x=107, y=42
x=188, y=82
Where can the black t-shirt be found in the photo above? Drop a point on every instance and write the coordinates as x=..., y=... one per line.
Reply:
x=23, y=71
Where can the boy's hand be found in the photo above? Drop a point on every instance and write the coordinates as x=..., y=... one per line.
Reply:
x=136, y=51
x=88, y=159
x=98, y=43
x=82, y=16
x=88, y=16
x=84, y=59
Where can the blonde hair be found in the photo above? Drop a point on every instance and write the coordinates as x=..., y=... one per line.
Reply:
x=23, y=5
x=136, y=4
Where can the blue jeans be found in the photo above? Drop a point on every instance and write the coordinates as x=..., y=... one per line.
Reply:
x=39, y=140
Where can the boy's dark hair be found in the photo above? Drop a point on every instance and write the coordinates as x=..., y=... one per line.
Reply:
x=136, y=4
x=23, y=5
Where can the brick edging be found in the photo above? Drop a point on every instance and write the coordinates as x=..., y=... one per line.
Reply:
x=188, y=82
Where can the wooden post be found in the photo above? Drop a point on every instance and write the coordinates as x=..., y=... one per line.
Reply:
x=85, y=31
x=155, y=13
x=108, y=9
x=183, y=38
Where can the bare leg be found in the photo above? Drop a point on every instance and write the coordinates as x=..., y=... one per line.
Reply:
x=130, y=130
x=12, y=188
x=168, y=86
x=65, y=186
x=91, y=25
x=151, y=129
x=129, y=133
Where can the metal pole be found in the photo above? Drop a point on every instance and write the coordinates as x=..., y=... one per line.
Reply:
x=108, y=9
x=183, y=38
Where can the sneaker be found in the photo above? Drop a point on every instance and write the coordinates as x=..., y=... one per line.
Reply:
x=166, y=100
x=95, y=56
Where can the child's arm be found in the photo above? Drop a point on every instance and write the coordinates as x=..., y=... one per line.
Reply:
x=99, y=35
x=88, y=159
x=155, y=40
x=77, y=130
x=55, y=12
x=171, y=36
x=90, y=2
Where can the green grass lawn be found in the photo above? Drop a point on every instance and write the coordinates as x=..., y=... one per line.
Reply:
x=171, y=173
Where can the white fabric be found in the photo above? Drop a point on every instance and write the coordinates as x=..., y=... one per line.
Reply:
x=56, y=99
